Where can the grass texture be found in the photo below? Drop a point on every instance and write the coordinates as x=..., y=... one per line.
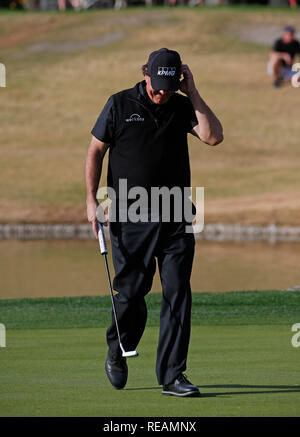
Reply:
x=232, y=308
x=249, y=370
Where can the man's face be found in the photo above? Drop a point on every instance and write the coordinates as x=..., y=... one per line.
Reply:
x=157, y=96
x=288, y=37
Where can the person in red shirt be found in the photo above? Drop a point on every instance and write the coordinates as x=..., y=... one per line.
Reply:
x=293, y=3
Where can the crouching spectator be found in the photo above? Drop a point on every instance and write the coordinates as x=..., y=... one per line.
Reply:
x=282, y=56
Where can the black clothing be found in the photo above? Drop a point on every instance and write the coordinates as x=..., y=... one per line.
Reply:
x=134, y=249
x=148, y=142
x=148, y=148
x=116, y=370
x=292, y=48
x=181, y=387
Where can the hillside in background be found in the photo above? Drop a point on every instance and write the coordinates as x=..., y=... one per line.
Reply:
x=61, y=69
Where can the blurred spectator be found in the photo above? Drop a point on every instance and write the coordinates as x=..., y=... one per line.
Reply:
x=62, y=4
x=202, y=2
x=12, y=4
x=178, y=2
x=121, y=4
x=293, y=3
x=31, y=4
x=282, y=56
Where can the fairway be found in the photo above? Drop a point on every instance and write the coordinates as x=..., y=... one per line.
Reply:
x=240, y=370
x=240, y=356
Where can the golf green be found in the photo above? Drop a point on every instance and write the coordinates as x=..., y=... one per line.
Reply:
x=241, y=370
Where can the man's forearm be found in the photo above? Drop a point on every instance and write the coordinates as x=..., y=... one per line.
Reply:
x=209, y=128
x=93, y=169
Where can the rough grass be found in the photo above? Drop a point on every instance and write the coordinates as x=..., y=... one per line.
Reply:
x=61, y=68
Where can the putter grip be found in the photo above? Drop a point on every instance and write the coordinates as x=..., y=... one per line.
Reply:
x=101, y=238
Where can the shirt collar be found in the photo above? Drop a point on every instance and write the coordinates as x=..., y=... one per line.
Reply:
x=143, y=92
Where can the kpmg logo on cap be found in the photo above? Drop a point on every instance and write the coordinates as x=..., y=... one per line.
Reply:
x=166, y=71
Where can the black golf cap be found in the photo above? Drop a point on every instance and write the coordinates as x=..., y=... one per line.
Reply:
x=164, y=69
x=290, y=29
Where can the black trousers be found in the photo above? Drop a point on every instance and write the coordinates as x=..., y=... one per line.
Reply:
x=134, y=249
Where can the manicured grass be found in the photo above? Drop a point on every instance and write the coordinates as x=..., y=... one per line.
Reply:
x=232, y=308
x=240, y=370
x=240, y=356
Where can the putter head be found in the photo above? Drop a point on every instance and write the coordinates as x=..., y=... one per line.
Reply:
x=130, y=354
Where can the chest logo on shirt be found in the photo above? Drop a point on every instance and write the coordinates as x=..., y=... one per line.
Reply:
x=134, y=117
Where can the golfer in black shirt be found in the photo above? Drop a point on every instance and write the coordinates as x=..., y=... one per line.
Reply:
x=145, y=130
x=282, y=56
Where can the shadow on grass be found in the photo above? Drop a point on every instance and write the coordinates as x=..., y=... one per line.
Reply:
x=272, y=389
x=143, y=388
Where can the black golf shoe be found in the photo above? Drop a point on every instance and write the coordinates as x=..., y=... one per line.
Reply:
x=276, y=83
x=181, y=387
x=116, y=370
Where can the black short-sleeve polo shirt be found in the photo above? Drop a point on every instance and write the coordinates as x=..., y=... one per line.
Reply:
x=148, y=142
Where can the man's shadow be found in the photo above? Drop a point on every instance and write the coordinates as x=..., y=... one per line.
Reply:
x=262, y=389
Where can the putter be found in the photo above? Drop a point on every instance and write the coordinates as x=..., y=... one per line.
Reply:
x=104, y=251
